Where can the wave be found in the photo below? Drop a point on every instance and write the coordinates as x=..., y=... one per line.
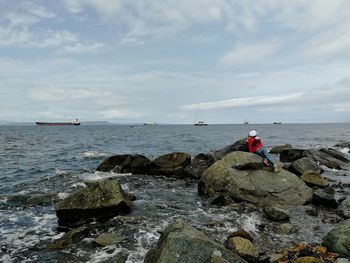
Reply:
x=94, y=154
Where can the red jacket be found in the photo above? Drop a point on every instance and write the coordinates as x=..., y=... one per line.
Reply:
x=254, y=143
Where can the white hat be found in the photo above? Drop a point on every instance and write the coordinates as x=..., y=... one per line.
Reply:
x=253, y=133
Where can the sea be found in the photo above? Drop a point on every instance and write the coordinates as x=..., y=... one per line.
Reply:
x=38, y=160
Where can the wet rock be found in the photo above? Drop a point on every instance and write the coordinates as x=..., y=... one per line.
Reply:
x=170, y=164
x=308, y=259
x=255, y=186
x=240, y=145
x=314, y=179
x=338, y=239
x=216, y=257
x=343, y=145
x=199, y=164
x=276, y=213
x=344, y=208
x=109, y=238
x=325, y=159
x=336, y=154
x=341, y=260
x=275, y=257
x=325, y=197
x=99, y=201
x=303, y=165
x=287, y=228
x=291, y=155
x=125, y=163
x=241, y=233
x=181, y=242
x=41, y=199
x=243, y=247
x=71, y=237
x=312, y=212
x=221, y=200
x=280, y=148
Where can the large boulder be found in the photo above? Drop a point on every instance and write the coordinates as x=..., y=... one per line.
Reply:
x=304, y=165
x=338, y=239
x=171, y=164
x=336, y=154
x=344, y=208
x=291, y=155
x=199, y=164
x=260, y=186
x=240, y=145
x=324, y=158
x=181, y=242
x=98, y=201
x=325, y=197
x=125, y=163
x=314, y=179
x=280, y=148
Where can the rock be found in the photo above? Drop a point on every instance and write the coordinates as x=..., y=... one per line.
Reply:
x=291, y=155
x=342, y=260
x=344, y=208
x=221, y=200
x=308, y=259
x=241, y=233
x=325, y=197
x=304, y=165
x=243, y=247
x=199, y=164
x=255, y=186
x=99, y=201
x=287, y=229
x=280, y=148
x=338, y=239
x=343, y=145
x=71, y=237
x=240, y=145
x=314, y=179
x=218, y=258
x=42, y=199
x=181, y=242
x=109, y=238
x=125, y=163
x=170, y=164
x=336, y=154
x=324, y=158
x=274, y=257
x=276, y=213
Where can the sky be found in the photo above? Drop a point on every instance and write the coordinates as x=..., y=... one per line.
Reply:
x=175, y=61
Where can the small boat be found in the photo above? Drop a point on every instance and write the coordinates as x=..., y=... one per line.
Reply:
x=72, y=123
x=275, y=122
x=200, y=123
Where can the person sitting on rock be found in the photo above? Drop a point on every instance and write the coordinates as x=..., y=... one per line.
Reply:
x=255, y=146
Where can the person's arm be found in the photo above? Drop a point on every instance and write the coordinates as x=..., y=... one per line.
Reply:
x=250, y=141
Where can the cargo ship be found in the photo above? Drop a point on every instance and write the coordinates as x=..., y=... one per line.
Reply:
x=74, y=123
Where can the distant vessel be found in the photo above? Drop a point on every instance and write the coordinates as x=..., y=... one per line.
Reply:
x=200, y=123
x=245, y=121
x=277, y=122
x=150, y=123
x=74, y=123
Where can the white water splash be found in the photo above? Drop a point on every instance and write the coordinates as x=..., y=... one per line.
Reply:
x=94, y=154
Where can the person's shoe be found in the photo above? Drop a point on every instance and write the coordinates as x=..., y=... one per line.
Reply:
x=276, y=168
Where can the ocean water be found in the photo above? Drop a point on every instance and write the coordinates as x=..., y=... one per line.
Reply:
x=56, y=160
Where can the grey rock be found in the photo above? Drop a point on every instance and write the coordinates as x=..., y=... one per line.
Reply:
x=343, y=145
x=325, y=197
x=244, y=248
x=325, y=159
x=71, y=237
x=314, y=179
x=181, y=242
x=99, y=201
x=125, y=163
x=240, y=145
x=336, y=154
x=344, y=208
x=291, y=155
x=257, y=186
x=276, y=213
x=304, y=164
x=287, y=228
x=338, y=239
x=199, y=164
x=280, y=148
x=171, y=164
x=109, y=238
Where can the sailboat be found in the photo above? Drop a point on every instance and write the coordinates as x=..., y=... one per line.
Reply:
x=199, y=123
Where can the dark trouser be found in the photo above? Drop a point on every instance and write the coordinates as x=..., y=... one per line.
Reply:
x=265, y=154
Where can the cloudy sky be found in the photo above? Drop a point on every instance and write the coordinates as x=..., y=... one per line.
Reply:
x=169, y=61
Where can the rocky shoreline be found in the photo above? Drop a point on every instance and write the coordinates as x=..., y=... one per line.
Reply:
x=224, y=177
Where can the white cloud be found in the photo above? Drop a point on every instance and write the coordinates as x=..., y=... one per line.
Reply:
x=241, y=102
x=250, y=53
x=56, y=39
x=79, y=48
x=10, y=36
